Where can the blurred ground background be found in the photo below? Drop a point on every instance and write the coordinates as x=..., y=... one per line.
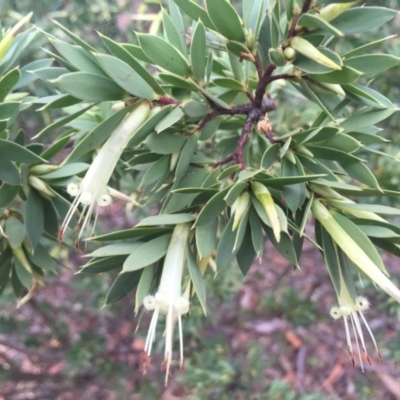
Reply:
x=270, y=337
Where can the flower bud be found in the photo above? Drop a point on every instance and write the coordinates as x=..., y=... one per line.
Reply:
x=40, y=185
x=8, y=38
x=331, y=11
x=264, y=197
x=42, y=169
x=239, y=208
x=310, y=51
x=289, y=53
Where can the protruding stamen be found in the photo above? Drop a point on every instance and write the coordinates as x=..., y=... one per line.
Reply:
x=73, y=189
x=104, y=200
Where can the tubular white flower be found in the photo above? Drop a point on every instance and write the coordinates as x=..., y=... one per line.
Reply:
x=92, y=191
x=168, y=300
x=350, y=309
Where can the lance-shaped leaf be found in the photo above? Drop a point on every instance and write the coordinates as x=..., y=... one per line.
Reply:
x=362, y=19
x=198, y=52
x=89, y=87
x=225, y=19
x=147, y=254
x=164, y=55
x=126, y=77
x=195, y=12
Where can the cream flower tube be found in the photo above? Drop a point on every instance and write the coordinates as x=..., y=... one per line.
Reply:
x=92, y=191
x=168, y=299
x=352, y=250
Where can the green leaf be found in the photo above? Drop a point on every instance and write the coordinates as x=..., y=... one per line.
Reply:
x=103, y=265
x=122, y=286
x=115, y=249
x=171, y=33
x=177, y=20
x=15, y=230
x=14, y=152
x=375, y=208
x=225, y=253
x=186, y=156
x=156, y=171
x=373, y=64
x=166, y=219
x=327, y=153
x=331, y=258
x=257, y=237
x=165, y=143
x=164, y=55
x=147, y=254
x=78, y=57
x=9, y=111
x=62, y=121
x=237, y=48
x=294, y=194
x=211, y=127
x=42, y=259
x=173, y=117
x=177, y=81
x=229, y=83
x=342, y=142
x=74, y=37
x=212, y=209
x=361, y=120
x=57, y=101
x=284, y=246
x=345, y=75
x=66, y=171
x=123, y=54
x=234, y=192
x=24, y=276
x=7, y=194
x=225, y=19
x=132, y=233
x=362, y=19
x=270, y=156
x=246, y=254
x=362, y=49
x=370, y=94
x=9, y=172
x=275, y=32
x=361, y=172
x=17, y=286
x=136, y=52
x=253, y=11
x=206, y=238
x=264, y=38
x=126, y=77
x=194, y=109
x=195, y=12
x=34, y=218
x=197, y=279
x=8, y=81
x=89, y=87
x=144, y=286
x=313, y=21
